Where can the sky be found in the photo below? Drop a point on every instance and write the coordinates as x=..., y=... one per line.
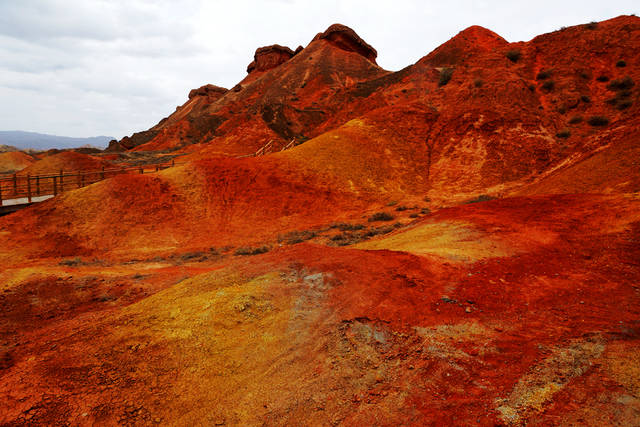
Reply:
x=84, y=68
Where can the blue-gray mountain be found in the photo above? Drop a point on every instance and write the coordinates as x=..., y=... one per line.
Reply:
x=38, y=141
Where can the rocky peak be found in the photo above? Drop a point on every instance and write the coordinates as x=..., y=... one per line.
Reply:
x=345, y=38
x=208, y=91
x=269, y=57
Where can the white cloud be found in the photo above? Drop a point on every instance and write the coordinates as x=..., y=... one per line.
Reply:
x=89, y=67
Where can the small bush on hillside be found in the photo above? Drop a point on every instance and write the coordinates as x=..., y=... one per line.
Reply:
x=585, y=99
x=293, y=237
x=445, y=76
x=343, y=226
x=591, y=25
x=624, y=104
x=71, y=262
x=252, y=251
x=598, y=121
x=514, y=55
x=402, y=208
x=602, y=78
x=532, y=88
x=625, y=83
x=480, y=198
x=380, y=216
x=549, y=85
x=575, y=120
x=478, y=82
x=543, y=75
x=621, y=64
x=564, y=133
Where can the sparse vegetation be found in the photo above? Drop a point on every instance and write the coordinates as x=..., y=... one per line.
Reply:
x=598, y=121
x=252, y=251
x=575, y=120
x=402, y=208
x=445, y=76
x=414, y=215
x=480, y=198
x=564, y=133
x=584, y=75
x=425, y=211
x=71, y=262
x=478, y=82
x=532, y=87
x=543, y=75
x=343, y=226
x=514, y=55
x=621, y=64
x=293, y=237
x=625, y=83
x=591, y=25
x=548, y=85
x=585, y=99
x=381, y=216
x=602, y=78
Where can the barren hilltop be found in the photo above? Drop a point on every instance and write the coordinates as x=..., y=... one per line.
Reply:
x=454, y=243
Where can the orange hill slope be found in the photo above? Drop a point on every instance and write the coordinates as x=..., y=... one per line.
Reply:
x=67, y=161
x=538, y=328
x=13, y=161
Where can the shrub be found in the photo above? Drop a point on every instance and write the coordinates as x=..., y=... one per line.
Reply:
x=602, y=78
x=293, y=237
x=562, y=109
x=380, y=216
x=585, y=99
x=414, y=215
x=575, y=120
x=625, y=83
x=252, y=251
x=445, y=76
x=343, y=226
x=624, y=104
x=71, y=262
x=591, y=25
x=549, y=85
x=621, y=64
x=425, y=211
x=598, y=121
x=543, y=75
x=480, y=198
x=514, y=55
x=401, y=208
x=478, y=82
x=532, y=88
x=564, y=133
x=584, y=75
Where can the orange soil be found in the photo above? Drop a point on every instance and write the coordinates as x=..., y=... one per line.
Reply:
x=13, y=161
x=134, y=300
x=67, y=161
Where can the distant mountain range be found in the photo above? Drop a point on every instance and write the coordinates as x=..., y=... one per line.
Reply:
x=38, y=141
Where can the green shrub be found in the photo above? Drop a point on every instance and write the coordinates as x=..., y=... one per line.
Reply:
x=591, y=25
x=603, y=78
x=478, y=82
x=585, y=99
x=514, y=55
x=575, y=120
x=621, y=64
x=445, y=76
x=598, y=121
x=252, y=251
x=564, y=133
x=380, y=216
x=480, y=198
x=402, y=208
x=543, y=75
x=625, y=83
x=293, y=237
x=624, y=104
x=548, y=85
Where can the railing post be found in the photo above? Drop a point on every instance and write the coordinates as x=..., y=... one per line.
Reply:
x=29, y=188
x=173, y=162
x=38, y=185
x=15, y=185
x=61, y=181
x=141, y=171
x=55, y=185
x=81, y=179
x=102, y=172
x=0, y=193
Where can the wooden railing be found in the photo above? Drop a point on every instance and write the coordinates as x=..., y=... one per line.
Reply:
x=31, y=186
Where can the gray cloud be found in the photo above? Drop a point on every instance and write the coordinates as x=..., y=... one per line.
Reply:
x=90, y=67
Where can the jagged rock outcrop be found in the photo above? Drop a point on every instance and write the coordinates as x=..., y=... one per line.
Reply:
x=211, y=91
x=269, y=57
x=347, y=39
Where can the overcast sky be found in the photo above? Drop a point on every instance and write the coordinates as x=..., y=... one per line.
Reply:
x=90, y=67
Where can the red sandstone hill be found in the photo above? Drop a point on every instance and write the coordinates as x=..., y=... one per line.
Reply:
x=66, y=161
x=472, y=229
x=13, y=161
